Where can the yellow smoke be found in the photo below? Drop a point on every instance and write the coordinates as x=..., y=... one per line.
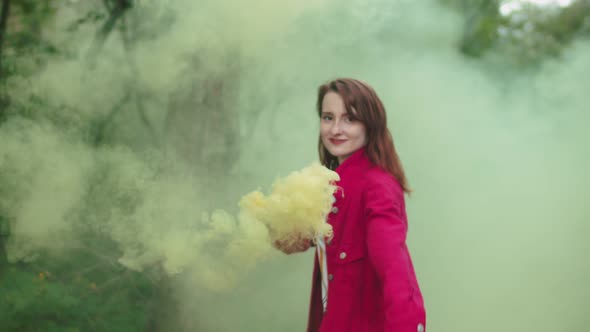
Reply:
x=297, y=207
x=224, y=247
x=154, y=219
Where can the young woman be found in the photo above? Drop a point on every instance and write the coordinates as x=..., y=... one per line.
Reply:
x=363, y=278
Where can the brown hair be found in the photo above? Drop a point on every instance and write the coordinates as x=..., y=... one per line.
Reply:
x=363, y=104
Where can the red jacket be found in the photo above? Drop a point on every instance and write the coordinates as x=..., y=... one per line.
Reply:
x=372, y=286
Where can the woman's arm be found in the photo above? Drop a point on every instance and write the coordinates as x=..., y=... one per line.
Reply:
x=386, y=235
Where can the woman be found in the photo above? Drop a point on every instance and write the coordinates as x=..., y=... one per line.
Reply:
x=363, y=278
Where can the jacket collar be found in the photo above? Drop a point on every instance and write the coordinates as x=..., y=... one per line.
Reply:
x=359, y=158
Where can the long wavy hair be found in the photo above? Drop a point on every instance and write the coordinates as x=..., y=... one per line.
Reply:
x=363, y=104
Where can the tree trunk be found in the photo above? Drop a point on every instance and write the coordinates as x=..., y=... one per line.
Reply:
x=3, y=237
x=202, y=129
x=3, y=23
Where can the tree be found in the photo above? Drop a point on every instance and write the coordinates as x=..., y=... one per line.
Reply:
x=84, y=289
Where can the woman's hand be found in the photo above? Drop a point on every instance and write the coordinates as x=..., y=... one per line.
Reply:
x=299, y=245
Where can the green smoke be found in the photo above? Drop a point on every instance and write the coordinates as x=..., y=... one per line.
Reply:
x=141, y=139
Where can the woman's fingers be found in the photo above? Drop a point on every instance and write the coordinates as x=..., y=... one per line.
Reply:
x=297, y=246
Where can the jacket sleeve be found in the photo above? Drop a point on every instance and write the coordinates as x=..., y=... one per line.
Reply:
x=386, y=235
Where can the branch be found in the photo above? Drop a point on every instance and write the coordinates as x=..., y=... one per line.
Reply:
x=107, y=5
x=99, y=136
x=102, y=34
x=135, y=73
x=109, y=260
x=104, y=285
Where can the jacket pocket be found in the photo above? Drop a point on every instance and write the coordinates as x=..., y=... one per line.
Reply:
x=349, y=266
x=347, y=254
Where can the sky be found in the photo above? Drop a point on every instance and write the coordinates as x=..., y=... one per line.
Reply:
x=508, y=7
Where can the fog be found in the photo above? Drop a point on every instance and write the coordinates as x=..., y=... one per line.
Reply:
x=497, y=157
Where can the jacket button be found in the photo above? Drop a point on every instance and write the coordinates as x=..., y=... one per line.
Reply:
x=334, y=209
x=420, y=327
x=330, y=277
x=342, y=255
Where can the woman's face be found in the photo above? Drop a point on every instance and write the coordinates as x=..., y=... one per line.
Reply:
x=340, y=134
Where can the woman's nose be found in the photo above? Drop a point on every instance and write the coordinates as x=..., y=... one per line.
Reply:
x=335, y=129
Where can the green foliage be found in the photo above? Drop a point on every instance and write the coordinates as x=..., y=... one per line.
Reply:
x=29, y=18
x=480, y=35
x=533, y=33
x=75, y=290
x=68, y=298
x=524, y=37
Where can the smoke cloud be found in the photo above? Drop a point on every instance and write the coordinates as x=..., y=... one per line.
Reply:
x=497, y=157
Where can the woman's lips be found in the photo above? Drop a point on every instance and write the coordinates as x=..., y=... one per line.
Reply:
x=337, y=141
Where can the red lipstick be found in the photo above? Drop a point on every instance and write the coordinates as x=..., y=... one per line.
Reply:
x=337, y=141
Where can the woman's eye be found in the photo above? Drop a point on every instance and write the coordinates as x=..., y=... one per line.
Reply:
x=326, y=118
